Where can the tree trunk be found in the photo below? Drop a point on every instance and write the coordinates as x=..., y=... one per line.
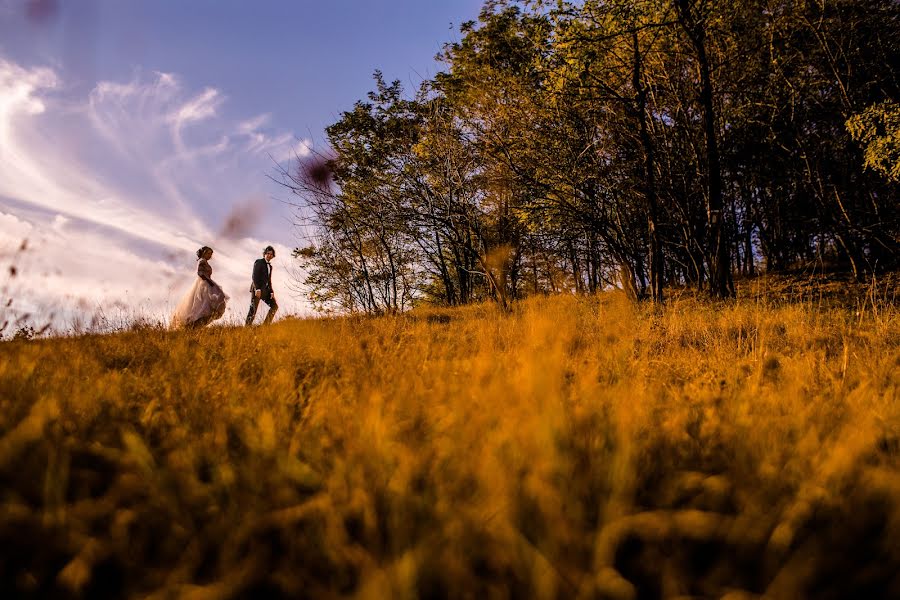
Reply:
x=649, y=168
x=719, y=256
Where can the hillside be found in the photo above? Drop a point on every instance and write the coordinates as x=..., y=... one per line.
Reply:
x=578, y=447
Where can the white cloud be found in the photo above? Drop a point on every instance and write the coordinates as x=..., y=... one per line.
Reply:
x=18, y=87
x=250, y=126
x=202, y=106
x=199, y=108
x=118, y=189
x=288, y=148
x=59, y=222
x=303, y=148
x=13, y=232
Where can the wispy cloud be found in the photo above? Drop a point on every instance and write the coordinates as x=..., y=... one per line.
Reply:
x=117, y=189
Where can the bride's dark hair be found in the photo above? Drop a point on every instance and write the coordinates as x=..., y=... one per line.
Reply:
x=201, y=251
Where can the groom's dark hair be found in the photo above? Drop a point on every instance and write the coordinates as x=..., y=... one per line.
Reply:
x=269, y=249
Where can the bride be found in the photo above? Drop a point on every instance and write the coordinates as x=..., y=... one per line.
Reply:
x=205, y=301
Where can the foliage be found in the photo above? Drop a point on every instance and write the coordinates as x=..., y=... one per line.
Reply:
x=622, y=143
x=878, y=129
x=580, y=446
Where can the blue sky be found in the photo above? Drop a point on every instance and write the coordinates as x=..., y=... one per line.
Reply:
x=132, y=132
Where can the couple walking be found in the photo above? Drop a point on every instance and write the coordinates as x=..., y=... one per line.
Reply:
x=205, y=301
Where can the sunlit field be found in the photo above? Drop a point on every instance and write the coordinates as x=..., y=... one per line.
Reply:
x=575, y=448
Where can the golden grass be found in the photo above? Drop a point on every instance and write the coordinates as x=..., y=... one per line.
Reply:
x=579, y=447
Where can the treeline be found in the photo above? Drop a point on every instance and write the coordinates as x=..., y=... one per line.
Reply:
x=575, y=146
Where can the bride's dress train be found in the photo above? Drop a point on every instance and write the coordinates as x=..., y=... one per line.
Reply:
x=204, y=302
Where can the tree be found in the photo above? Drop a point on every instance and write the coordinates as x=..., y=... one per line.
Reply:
x=568, y=147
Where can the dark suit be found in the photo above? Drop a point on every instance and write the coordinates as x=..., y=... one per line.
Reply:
x=262, y=281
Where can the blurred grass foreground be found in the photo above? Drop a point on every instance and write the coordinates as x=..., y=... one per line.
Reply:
x=576, y=448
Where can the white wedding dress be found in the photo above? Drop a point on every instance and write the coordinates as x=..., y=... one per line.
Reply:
x=203, y=303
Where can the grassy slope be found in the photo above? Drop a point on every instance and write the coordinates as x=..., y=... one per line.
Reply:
x=576, y=447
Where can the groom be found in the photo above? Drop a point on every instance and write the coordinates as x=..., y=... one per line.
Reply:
x=261, y=288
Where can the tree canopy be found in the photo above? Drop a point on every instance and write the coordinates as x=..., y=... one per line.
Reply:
x=636, y=143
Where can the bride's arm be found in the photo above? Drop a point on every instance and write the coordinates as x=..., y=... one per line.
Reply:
x=204, y=271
